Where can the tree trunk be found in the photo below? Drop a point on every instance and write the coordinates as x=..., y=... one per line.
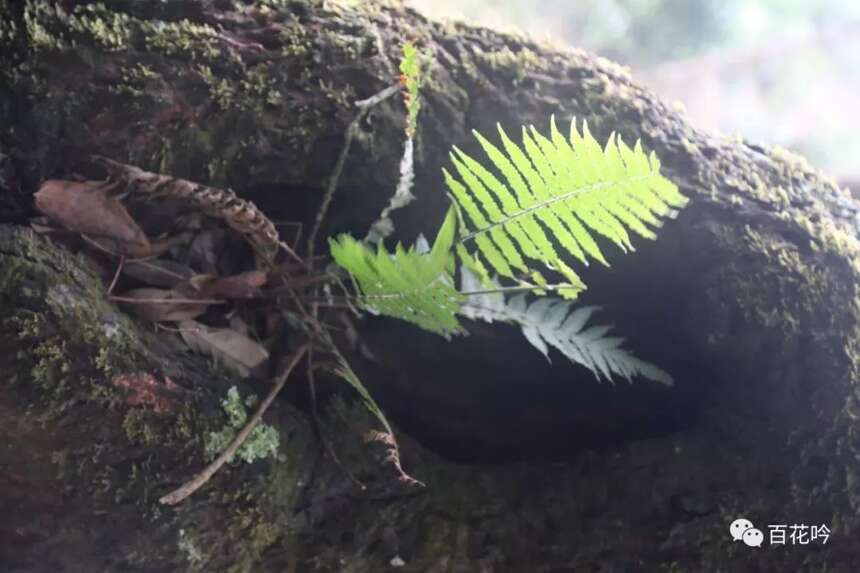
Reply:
x=749, y=298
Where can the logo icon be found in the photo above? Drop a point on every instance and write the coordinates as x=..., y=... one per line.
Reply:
x=753, y=537
x=742, y=529
x=738, y=527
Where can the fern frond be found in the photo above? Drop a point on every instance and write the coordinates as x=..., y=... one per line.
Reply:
x=409, y=284
x=557, y=191
x=551, y=321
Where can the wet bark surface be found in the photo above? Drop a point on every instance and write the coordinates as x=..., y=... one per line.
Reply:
x=749, y=299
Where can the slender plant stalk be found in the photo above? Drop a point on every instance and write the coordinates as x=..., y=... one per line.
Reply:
x=132, y=300
x=204, y=476
x=364, y=107
x=329, y=448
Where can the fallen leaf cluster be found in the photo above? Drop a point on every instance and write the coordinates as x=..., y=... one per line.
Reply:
x=195, y=261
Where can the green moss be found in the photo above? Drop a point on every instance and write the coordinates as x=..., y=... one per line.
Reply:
x=782, y=276
x=54, y=316
x=137, y=85
x=254, y=91
x=222, y=91
x=9, y=32
x=198, y=42
x=296, y=43
x=259, y=85
x=51, y=368
x=795, y=163
x=190, y=549
x=147, y=427
x=107, y=29
x=263, y=441
x=518, y=64
x=40, y=21
x=256, y=533
x=689, y=147
x=830, y=237
x=141, y=428
x=346, y=47
x=50, y=28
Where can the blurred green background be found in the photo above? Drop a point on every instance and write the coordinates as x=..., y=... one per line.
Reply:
x=781, y=72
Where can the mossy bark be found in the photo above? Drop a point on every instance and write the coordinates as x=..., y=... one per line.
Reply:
x=750, y=298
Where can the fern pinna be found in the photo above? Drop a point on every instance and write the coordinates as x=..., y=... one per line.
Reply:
x=546, y=192
x=412, y=284
x=562, y=189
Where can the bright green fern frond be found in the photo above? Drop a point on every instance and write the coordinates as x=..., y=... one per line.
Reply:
x=409, y=284
x=550, y=321
x=557, y=191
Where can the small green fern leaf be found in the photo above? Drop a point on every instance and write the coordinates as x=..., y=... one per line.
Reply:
x=551, y=321
x=557, y=191
x=409, y=284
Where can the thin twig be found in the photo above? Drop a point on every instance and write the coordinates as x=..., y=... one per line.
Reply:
x=130, y=300
x=94, y=243
x=158, y=269
x=159, y=326
x=116, y=274
x=364, y=107
x=378, y=97
x=298, y=225
x=289, y=250
x=197, y=482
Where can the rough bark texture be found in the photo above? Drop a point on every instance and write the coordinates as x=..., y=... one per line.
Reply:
x=750, y=299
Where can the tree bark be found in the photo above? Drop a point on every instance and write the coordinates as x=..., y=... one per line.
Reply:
x=750, y=298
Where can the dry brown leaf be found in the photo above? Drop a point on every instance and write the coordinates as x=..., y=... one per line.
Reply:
x=225, y=345
x=89, y=209
x=243, y=285
x=238, y=324
x=160, y=305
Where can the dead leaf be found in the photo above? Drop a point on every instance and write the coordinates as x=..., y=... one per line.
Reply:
x=225, y=345
x=243, y=285
x=239, y=325
x=161, y=305
x=89, y=209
